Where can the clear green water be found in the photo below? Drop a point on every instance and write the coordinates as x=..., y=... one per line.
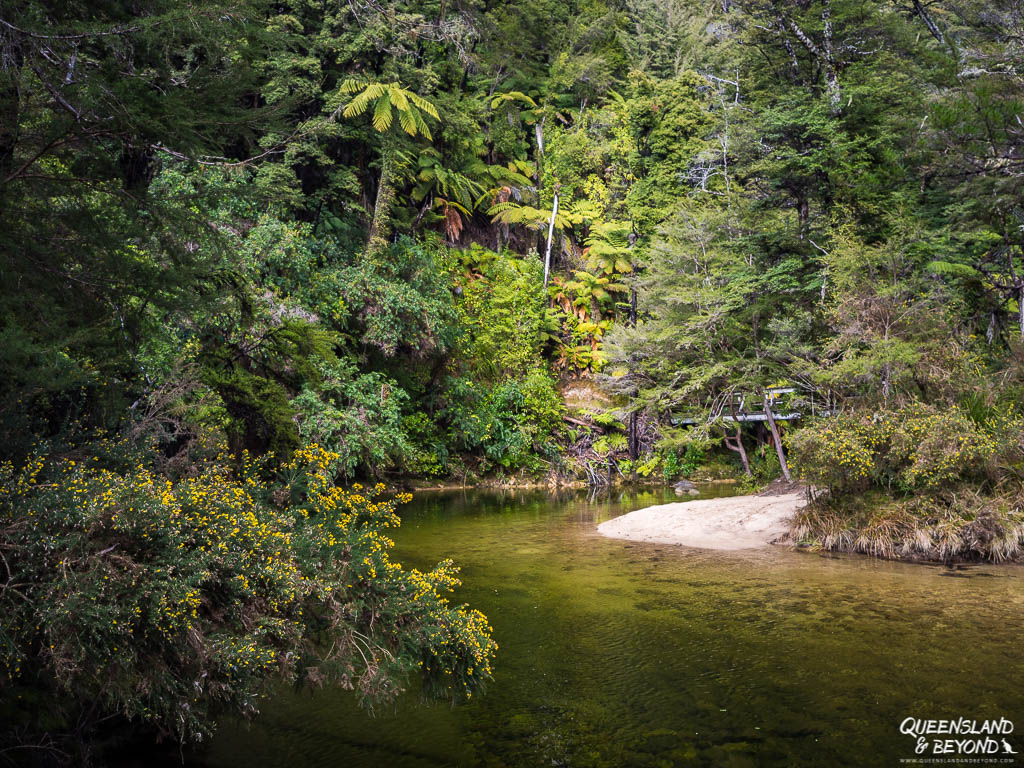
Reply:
x=621, y=654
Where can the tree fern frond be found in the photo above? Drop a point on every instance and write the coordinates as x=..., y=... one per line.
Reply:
x=442, y=202
x=397, y=94
x=421, y=126
x=382, y=113
x=408, y=122
x=351, y=86
x=562, y=221
x=423, y=104
x=511, y=96
x=358, y=105
x=502, y=206
x=490, y=194
x=525, y=167
x=510, y=213
x=608, y=247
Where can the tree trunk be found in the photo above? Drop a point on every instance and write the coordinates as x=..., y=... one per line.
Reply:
x=776, y=438
x=634, y=431
x=737, y=446
x=831, y=76
x=380, y=227
x=933, y=28
x=551, y=234
x=9, y=103
x=804, y=215
x=633, y=435
x=1020, y=309
x=826, y=59
x=538, y=130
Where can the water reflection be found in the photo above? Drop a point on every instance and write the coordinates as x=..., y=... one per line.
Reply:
x=619, y=653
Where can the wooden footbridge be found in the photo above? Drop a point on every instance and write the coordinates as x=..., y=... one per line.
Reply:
x=737, y=411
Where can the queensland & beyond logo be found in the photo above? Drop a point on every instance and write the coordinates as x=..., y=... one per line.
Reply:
x=960, y=738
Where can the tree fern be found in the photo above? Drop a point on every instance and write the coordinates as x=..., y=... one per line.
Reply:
x=512, y=97
x=388, y=98
x=607, y=248
x=510, y=212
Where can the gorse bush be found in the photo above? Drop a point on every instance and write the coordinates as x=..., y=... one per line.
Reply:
x=914, y=482
x=914, y=448
x=171, y=602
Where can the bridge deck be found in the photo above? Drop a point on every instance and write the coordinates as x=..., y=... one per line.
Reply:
x=753, y=416
x=739, y=401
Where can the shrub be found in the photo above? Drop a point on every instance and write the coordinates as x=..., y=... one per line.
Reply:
x=915, y=448
x=504, y=315
x=765, y=466
x=403, y=301
x=357, y=415
x=428, y=454
x=170, y=602
x=512, y=422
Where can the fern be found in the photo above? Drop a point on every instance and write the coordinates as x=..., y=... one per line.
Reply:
x=512, y=97
x=382, y=113
x=388, y=98
x=607, y=419
x=951, y=269
x=608, y=247
x=509, y=212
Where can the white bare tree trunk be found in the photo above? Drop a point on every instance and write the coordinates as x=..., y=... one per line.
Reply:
x=551, y=235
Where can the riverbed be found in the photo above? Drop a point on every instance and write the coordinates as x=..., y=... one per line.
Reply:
x=615, y=653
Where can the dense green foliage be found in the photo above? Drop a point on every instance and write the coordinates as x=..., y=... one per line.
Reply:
x=410, y=231
x=208, y=587
x=843, y=233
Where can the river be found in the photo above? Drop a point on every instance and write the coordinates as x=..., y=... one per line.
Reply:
x=621, y=654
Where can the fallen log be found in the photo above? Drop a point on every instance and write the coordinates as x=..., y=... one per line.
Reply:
x=579, y=423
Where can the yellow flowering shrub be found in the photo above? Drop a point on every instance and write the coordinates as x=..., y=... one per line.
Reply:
x=914, y=448
x=171, y=602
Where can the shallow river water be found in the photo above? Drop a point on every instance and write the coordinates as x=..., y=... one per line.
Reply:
x=621, y=654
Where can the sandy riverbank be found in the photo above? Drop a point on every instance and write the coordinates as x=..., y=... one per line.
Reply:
x=732, y=522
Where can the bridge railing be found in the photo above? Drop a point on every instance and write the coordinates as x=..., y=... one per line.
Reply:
x=739, y=412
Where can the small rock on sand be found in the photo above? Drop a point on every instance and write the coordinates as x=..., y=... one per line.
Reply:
x=732, y=522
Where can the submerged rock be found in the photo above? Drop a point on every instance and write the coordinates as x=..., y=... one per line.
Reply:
x=685, y=487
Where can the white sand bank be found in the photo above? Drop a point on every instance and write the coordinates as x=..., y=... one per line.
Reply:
x=734, y=522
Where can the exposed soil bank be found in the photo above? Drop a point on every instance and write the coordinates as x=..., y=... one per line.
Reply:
x=733, y=522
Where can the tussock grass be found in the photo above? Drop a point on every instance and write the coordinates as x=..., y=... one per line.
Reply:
x=959, y=525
